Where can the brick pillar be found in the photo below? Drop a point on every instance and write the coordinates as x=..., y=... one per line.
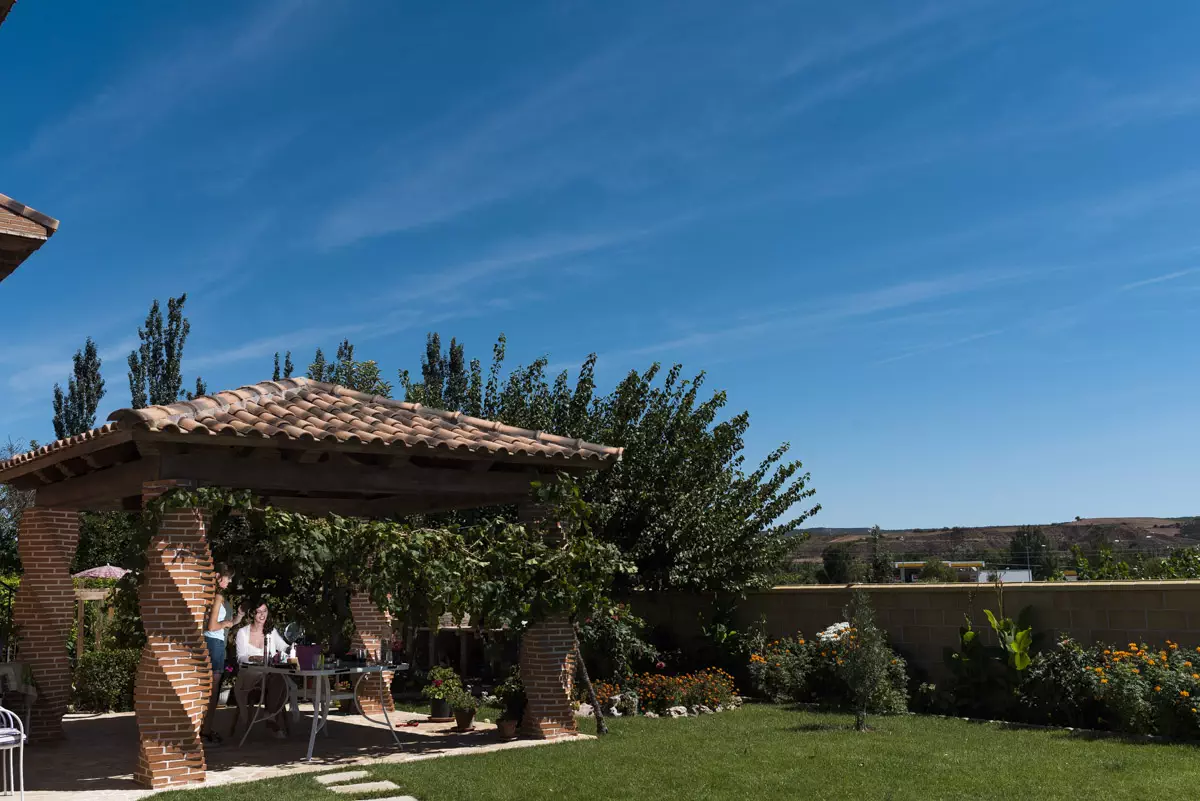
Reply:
x=372, y=626
x=43, y=611
x=548, y=673
x=547, y=658
x=174, y=678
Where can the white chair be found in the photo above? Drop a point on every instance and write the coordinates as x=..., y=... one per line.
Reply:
x=12, y=738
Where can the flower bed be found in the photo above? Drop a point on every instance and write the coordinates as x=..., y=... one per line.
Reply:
x=657, y=693
x=1137, y=689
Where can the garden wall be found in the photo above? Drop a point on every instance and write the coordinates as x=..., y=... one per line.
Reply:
x=922, y=619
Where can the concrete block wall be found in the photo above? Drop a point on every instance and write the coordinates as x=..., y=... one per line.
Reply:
x=923, y=619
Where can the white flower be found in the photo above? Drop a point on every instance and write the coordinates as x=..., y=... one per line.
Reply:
x=834, y=632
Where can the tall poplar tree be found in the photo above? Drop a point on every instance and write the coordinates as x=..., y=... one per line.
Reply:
x=75, y=409
x=155, y=374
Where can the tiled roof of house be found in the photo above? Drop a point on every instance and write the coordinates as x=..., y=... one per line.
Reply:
x=22, y=229
x=24, y=220
x=304, y=411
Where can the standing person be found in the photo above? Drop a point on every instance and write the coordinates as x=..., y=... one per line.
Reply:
x=220, y=620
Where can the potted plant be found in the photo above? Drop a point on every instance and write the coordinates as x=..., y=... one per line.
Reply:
x=464, y=705
x=443, y=682
x=511, y=694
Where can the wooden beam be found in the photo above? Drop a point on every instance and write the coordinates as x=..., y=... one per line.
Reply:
x=397, y=506
x=571, y=465
x=102, y=489
x=218, y=467
x=13, y=475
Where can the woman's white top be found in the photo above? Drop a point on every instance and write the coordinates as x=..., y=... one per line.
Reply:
x=222, y=616
x=271, y=640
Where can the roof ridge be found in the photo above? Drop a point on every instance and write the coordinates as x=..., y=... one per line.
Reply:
x=198, y=409
x=461, y=417
x=19, y=208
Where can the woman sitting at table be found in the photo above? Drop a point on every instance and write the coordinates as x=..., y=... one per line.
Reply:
x=258, y=644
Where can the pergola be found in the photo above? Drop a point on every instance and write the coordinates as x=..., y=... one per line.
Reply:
x=297, y=444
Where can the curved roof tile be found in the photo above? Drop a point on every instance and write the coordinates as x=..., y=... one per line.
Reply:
x=302, y=410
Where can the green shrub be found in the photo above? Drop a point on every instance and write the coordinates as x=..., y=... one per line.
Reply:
x=1057, y=688
x=612, y=644
x=818, y=671
x=104, y=680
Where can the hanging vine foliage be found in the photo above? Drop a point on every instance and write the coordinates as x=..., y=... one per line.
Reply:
x=502, y=574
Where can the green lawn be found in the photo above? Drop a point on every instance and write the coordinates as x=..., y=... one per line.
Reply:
x=766, y=753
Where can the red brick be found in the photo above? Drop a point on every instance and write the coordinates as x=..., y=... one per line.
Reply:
x=43, y=611
x=174, y=676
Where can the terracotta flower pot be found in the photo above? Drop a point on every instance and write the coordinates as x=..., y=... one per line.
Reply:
x=464, y=718
x=507, y=729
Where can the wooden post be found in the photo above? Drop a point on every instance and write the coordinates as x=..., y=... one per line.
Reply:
x=462, y=653
x=433, y=632
x=80, y=614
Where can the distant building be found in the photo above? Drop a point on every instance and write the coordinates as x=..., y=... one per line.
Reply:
x=909, y=572
x=1007, y=576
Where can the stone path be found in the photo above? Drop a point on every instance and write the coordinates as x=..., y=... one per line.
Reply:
x=336, y=782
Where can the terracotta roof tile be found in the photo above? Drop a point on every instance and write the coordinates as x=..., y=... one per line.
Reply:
x=300, y=409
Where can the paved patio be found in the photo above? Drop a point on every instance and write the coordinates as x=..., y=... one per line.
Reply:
x=99, y=754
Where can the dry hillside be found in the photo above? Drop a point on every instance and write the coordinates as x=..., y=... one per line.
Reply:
x=1153, y=534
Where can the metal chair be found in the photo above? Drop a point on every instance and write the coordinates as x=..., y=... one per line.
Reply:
x=12, y=738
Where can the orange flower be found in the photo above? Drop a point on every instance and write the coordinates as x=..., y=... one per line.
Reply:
x=1184, y=693
x=1104, y=681
x=1157, y=688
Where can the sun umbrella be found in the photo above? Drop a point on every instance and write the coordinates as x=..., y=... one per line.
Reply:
x=105, y=572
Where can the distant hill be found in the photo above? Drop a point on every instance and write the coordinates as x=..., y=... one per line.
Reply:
x=1140, y=533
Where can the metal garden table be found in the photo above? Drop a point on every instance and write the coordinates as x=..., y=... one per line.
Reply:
x=316, y=686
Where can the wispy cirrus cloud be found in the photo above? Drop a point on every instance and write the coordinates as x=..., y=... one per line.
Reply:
x=511, y=260
x=877, y=32
x=1159, y=279
x=940, y=345
x=133, y=104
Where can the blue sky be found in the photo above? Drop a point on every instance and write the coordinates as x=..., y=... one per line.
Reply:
x=948, y=250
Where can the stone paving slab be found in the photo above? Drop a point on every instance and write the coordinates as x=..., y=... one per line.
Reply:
x=344, y=776
x=365, y=787
x=96, y=760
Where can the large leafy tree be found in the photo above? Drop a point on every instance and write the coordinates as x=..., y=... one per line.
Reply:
x=155, y=374
x=75, y=409
x=682, y=503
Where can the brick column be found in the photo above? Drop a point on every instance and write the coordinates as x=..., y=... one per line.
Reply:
x=372, y=626
x=43, y=611
x=174, y=678
x=547, y=658
x=548, y=673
